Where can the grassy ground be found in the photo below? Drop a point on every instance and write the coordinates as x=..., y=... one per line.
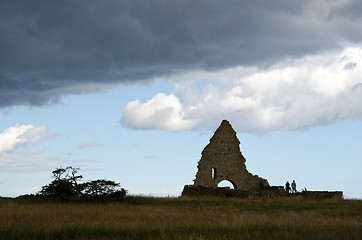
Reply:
x=185, y=218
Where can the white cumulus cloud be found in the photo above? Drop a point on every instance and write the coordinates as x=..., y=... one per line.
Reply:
x=162, y=111
x=19, y=135
x=292, y=94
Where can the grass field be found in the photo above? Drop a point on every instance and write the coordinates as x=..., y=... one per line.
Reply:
x=184, y=218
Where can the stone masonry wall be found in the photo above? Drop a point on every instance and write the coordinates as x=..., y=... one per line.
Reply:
x=222, y=160
x=272, y=192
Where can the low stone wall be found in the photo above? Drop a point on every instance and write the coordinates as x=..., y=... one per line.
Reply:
x=190, y=190
x=323, y=194
x=269, y=192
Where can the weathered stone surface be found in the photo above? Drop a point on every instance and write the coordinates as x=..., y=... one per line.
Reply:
x=222, y=160
x=191, y=190
x=271, y=192
x=322, y=194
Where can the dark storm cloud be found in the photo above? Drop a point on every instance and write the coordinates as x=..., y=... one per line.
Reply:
x=350, y=9
x=52, y=48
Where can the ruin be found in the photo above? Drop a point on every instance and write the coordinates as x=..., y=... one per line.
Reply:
x=222, y=160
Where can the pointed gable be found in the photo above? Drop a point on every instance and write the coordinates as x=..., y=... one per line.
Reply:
x=222, y=160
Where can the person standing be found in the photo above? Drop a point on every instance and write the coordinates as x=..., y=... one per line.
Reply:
x=287, y=187
x=294, y=186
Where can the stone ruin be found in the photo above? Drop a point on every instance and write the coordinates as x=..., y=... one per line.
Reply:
x=222, y=160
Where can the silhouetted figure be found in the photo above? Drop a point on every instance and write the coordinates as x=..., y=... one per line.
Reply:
x=294, y=186
x=287, y=187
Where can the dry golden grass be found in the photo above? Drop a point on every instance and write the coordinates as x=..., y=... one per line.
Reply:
x=209, y=218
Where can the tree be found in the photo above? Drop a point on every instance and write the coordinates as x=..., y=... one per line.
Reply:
x=102, y=187
x=58, y=187
x=65, y=182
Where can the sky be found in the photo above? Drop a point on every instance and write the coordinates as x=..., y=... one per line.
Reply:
x=132, y=91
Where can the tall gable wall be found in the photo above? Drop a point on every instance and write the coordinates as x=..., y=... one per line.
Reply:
x=222, y=160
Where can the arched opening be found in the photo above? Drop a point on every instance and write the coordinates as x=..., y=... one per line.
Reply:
x=226, y=183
